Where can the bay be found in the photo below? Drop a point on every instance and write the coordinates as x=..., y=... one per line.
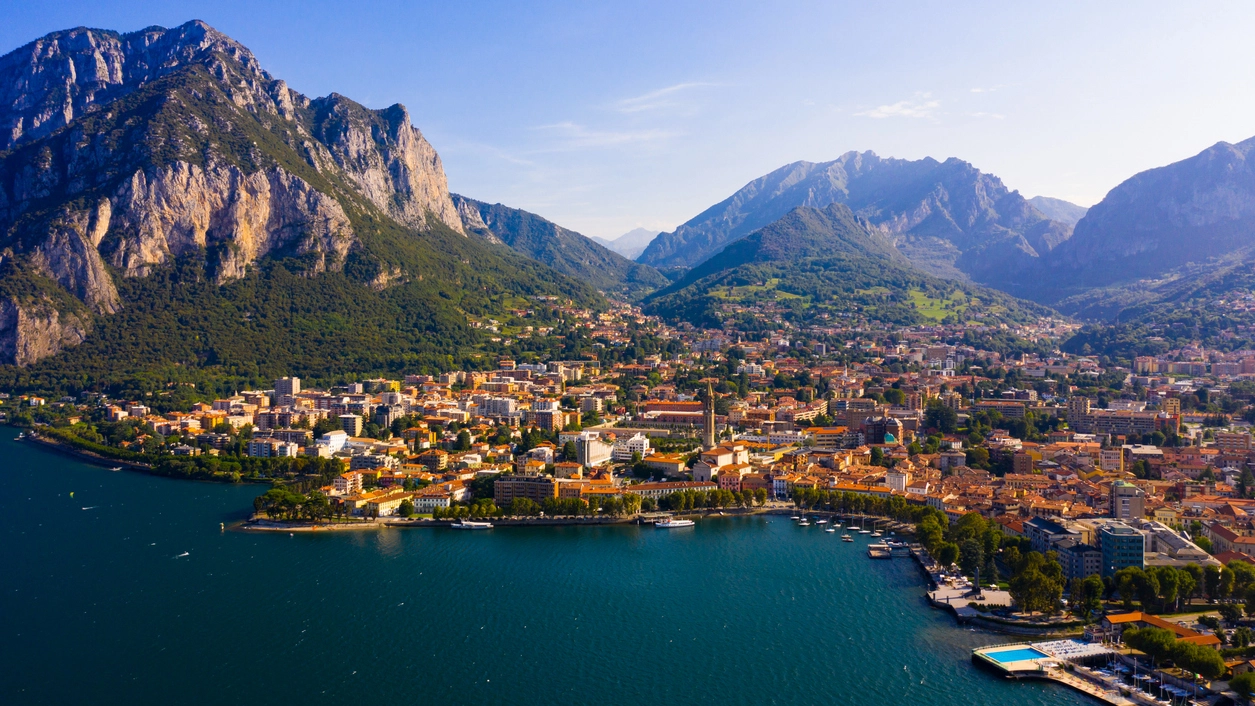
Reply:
x=129, y=592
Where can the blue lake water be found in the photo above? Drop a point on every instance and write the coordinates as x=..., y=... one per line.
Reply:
x=128, y=593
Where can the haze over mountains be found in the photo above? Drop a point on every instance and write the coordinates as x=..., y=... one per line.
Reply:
x=632, y=243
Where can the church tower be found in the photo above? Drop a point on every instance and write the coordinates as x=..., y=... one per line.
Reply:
x=708, y=419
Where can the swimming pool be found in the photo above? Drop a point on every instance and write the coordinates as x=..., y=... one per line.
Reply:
x=1016, y=655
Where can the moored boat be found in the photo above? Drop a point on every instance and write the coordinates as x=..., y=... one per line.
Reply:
x=672, y=522
x=846, y=538
x=468, y=524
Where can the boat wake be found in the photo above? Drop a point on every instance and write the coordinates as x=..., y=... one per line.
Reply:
x=93, y=507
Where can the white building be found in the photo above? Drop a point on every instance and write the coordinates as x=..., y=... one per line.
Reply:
x=334, y=440
x=624, y=448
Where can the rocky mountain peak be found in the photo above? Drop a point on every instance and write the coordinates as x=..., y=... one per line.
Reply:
x=49, y=82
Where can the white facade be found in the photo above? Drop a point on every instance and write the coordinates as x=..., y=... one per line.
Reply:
x=334, y=440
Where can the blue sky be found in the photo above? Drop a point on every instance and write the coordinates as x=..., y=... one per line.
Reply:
x=608, y=116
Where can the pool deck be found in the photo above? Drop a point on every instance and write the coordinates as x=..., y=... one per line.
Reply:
x=1050, y=668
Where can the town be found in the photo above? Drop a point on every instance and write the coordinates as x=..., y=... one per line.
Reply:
x=1127, y=484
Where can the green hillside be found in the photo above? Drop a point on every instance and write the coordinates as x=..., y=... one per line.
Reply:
x=825, y=265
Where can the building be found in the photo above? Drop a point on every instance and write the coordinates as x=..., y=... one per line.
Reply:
x=1046, y=535
x=897, y=480
x=286, y=390
x=635, y=444
x=347, y=483
x=1080, y=560
x=535, y=488
x=658, y=490
x=272, y=448
x=351, y=424
x=334, y=440
x=1128, y=502
x=591, y=451
x=1121, y=546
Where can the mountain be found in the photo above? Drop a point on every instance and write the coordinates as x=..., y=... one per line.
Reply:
x=949, y=218
x=137, y=169
x=564, y=250
x=818, y=264
x=1058, y=210
x=1160, y=233
x=631, y=244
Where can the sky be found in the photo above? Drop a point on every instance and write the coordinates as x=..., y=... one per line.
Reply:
x=604, y=117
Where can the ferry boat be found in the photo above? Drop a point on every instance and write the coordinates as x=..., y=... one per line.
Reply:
x=846, y=538
x=469, y=525
x=671, y=523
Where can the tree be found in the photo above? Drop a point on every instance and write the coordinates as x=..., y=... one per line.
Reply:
x=971, y=556
x=941, y=417
x=1231, y=612
x=406, y=509
x=1211, y=582
x=463, y=442
x=1157, y=643
x=1243, y=684
x=947, y=554
x=568, y=451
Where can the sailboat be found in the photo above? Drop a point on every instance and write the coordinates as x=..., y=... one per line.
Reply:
x=845, y=537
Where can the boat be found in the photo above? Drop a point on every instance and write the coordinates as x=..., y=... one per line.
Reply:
x=115, y=469
x=804, y=523
x=795, y=518
x=864, y=531
x=846, y=538
x=672, y=523
x=20, y=436
x=877, y=533
x=467, y=524
x=830, y=529
x=821, y=522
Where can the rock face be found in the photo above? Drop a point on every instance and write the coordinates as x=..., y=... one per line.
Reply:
x=242, y=217
x=48, y=83
x=388, y=160
x=948, y=217
x=1194, y=210
x=35, y=330
x=122, y=153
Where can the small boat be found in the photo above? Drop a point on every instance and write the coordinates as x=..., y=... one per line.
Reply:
x=468, y=524
x=846, y=538
x=821, y=522
x=830, y=529
x=672, y=523
x=804, y=523
x=864, y=531
x=115, y=469
x=20, y=436
x=877, y=533
x=795, y=518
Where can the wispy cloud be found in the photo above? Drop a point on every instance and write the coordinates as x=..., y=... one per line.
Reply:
x=922, y=106
x=982, y=114
x=661, y=98
x=575, y=136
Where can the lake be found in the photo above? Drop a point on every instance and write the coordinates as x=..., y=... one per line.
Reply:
x=129, y=593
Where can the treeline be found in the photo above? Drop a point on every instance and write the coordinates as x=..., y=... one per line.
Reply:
x=1162, y=645
x=308, y=470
